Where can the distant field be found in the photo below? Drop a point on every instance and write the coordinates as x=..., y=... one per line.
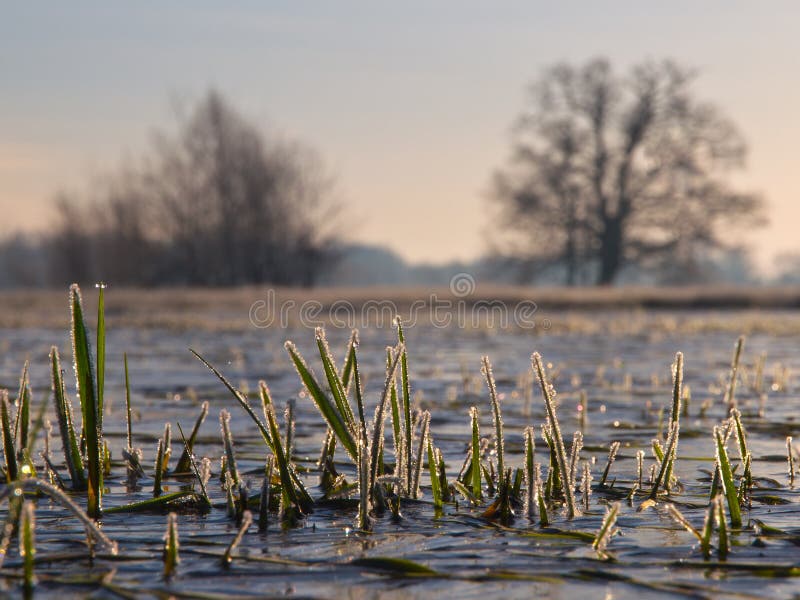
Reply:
x=744, y=309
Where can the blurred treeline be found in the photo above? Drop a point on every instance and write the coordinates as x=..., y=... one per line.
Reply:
x=213, y=204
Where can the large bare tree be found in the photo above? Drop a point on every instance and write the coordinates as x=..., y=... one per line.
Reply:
x=609, y=171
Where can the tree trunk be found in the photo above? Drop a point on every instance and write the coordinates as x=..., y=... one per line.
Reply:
x=610, y=250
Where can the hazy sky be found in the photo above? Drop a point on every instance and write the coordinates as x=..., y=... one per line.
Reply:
x=409, y=103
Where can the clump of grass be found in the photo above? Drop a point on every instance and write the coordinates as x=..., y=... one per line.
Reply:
x=171, y=558
x=549, y=400
x=334, y=413
x=295, y=500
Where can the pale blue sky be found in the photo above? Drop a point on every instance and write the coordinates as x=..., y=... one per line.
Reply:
x=410, y=103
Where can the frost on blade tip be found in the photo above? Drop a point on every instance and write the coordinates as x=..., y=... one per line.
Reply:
x=205, y=470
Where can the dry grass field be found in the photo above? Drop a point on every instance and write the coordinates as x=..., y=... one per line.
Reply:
x=741, y=309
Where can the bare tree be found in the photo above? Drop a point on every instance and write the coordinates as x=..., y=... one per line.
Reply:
x=611, y=171
x=69, y=246
x=216, y=203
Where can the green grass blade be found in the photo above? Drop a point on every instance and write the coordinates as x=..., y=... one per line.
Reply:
x=272, y=439
x=380, y=417
x=227, y=441
x=730, y=393
x=336, y=421
x=606, y=529
x=347, y=368
x=433, y=469
x=128, y=418
x=357, y=387
x=93, y=532
x=486, y=369
x=184, y=461
x=475, y=469
x=69, y=439
x=741, y=438
x=37, y=426
x=266, y=487
x=561, y=454
x=27, y=545
x=406, y=397
x=194, y=467
x=397, y=427
x=400, y=567
x=158, y=470
x=163, y=502
x=247, y=520
x=171, y=544
x=334, y=381
x=677, y=388
x=530, y=447
x=23, y=419
x=101, y=352
x=726, y=476
x=423, y=440
x=240, y=398
x=12, y=469
x=289, y=481
x=662, y=479
x=675, y=416
x=678, y=517
x=90, y=408
x=724, y=544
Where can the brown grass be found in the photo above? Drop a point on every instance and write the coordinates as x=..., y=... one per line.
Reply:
x=750, y=308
